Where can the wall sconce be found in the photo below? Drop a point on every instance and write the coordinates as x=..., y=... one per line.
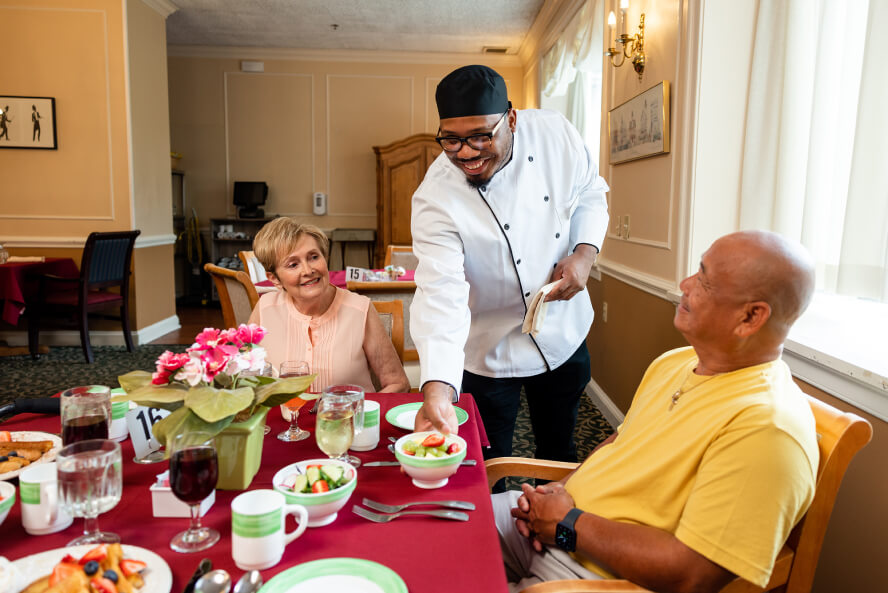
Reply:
x=633, y=47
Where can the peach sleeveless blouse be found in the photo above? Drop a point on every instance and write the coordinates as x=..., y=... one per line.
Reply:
x=333, y=343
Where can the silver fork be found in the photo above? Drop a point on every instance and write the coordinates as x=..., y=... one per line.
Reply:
x=394, y=508
x=377, y=518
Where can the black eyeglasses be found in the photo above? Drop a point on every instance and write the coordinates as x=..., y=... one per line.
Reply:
x=479, y=141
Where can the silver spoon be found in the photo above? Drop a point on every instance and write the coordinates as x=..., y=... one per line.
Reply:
x=249, y=583
x=215, y=581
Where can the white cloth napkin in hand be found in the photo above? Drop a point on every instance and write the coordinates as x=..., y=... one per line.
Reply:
x=25, y=258
x=536, y=312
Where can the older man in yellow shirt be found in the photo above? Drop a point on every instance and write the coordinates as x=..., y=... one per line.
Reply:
x=717, y=457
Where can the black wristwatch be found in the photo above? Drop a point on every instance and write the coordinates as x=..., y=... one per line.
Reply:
x=565, y=535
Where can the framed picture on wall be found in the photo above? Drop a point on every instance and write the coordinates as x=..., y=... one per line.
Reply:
x=27, y=122
x=639, y=128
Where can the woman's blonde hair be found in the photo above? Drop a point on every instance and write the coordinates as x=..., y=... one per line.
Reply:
x=278, y=238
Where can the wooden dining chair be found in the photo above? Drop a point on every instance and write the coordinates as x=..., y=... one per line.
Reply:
x=400, y=255
x=840, y=436
x=391, y=313
x=252, y=266
x=237, y=295
x=399, y=290
x=103, y=283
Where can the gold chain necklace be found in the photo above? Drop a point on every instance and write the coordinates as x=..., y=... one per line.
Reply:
x=680, y=392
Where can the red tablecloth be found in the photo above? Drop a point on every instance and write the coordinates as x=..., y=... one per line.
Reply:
x=337, y=278
x=15, y=289
x=429, y=554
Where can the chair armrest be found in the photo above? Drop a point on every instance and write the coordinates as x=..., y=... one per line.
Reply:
x=501, y=467
x=584, y=586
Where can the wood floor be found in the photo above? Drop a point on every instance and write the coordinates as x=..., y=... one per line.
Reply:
x=193, y=320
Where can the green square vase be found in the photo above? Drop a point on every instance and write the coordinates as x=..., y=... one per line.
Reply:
x=239, y=448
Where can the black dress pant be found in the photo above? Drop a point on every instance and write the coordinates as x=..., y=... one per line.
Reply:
x=553, y=398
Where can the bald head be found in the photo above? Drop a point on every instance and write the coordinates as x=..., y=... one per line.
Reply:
x=768, y=267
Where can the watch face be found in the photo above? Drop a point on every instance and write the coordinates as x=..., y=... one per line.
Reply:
x=565, y=538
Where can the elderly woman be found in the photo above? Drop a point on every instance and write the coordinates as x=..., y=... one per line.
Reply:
x=310, y=319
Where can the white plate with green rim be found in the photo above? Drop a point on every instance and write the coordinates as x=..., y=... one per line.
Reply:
x=404, y=415
x=354, y=575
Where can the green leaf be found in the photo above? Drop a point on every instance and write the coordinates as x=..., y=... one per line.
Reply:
x=184, y=420
x=213, y=404
x=283, y=390
x=148, y=395
x=133, y=380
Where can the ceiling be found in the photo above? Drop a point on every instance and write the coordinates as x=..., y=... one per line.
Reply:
x=463, y=26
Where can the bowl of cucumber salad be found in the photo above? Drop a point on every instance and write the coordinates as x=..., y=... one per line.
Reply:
x=322, y=486
x=430, y=458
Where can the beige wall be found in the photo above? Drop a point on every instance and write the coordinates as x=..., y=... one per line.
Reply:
x=305, y=124
x=104, y=63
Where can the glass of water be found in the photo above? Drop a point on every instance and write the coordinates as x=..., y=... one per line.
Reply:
x=90, y=483
x=335, y=426
x=354, y=394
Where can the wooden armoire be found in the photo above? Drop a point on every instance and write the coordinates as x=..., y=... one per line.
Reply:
x=400, y=167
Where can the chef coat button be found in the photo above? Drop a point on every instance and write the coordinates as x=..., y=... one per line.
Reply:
x=545, y=198
x=518, y=262
x=527, y=294
x=557, y=235
x=530, y=158
x=506, y=226
x=483, y=188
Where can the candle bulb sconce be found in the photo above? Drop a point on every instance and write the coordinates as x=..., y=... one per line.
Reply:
x=633, y=49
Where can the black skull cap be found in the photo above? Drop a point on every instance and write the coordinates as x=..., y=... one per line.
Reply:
x=471, y=90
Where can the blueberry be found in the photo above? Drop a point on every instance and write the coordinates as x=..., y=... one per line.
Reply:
x=3, y=458
x=111, y=575
x=13, y=454
x=91, y=567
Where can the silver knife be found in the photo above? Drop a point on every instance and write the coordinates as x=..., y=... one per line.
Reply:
x=394, y=463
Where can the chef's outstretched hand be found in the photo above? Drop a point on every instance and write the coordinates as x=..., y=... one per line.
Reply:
x=437, y=411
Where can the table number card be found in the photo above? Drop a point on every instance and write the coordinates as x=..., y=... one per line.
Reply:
x=140, y=421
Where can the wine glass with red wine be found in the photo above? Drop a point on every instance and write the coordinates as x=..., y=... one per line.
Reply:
x=293, y=368
x=194, y=470
x=86, y=413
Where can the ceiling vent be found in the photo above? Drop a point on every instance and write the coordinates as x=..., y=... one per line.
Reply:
x=495, y=50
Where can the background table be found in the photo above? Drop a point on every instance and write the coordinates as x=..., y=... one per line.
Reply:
x=430, y=554
x=15, y=287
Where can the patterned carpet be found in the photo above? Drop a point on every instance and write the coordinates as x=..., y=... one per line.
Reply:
x=65, y=367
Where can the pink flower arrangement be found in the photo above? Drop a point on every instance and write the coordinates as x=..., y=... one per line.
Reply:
x=231, y=351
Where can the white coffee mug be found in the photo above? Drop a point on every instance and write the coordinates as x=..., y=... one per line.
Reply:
x=368, y=438
x=39, y=493
x=258, y=536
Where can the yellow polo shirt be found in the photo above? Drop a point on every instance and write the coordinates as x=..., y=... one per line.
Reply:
x=729, y=470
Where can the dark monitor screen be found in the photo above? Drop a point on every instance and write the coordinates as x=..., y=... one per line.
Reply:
x=250, y=193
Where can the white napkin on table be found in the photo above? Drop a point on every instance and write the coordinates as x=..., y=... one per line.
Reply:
x=536, y=312
x=25, y=258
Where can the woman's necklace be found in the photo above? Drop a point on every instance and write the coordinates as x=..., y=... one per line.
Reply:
x=680, y=391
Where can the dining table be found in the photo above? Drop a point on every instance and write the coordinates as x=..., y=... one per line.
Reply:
x=16, y=286
x=337, y=278
x=429, y=554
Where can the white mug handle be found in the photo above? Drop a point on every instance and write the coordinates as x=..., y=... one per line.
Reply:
x=302, y=519
x=53, y=496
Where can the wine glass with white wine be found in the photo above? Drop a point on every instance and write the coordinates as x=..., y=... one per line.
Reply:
x=335, y=426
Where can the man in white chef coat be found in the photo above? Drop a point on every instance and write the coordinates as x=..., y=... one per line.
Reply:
x=513, y=203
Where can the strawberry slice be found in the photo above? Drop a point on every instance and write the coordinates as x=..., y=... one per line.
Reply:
x=5, y=436
x=103, y=585
x=320, y=486
x=62, y=571
x=433, y=440
x=70, y=559
x=98, y=554
x=131, y=567
x=453, y=448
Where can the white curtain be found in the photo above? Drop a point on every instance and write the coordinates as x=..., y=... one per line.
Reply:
x=815, y=164
x=573, y=68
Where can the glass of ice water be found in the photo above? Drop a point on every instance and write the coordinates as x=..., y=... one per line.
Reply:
x=90, y=483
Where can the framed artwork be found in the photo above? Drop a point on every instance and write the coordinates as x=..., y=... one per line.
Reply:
x=27, y=122
x=639, y=127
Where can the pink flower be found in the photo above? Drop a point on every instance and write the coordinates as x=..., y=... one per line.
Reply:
x=230, y=336
x=161, y=377
x=207, y=339
x=192, y=373
x=250, y=334
x=171, y=361
x=216, y=359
